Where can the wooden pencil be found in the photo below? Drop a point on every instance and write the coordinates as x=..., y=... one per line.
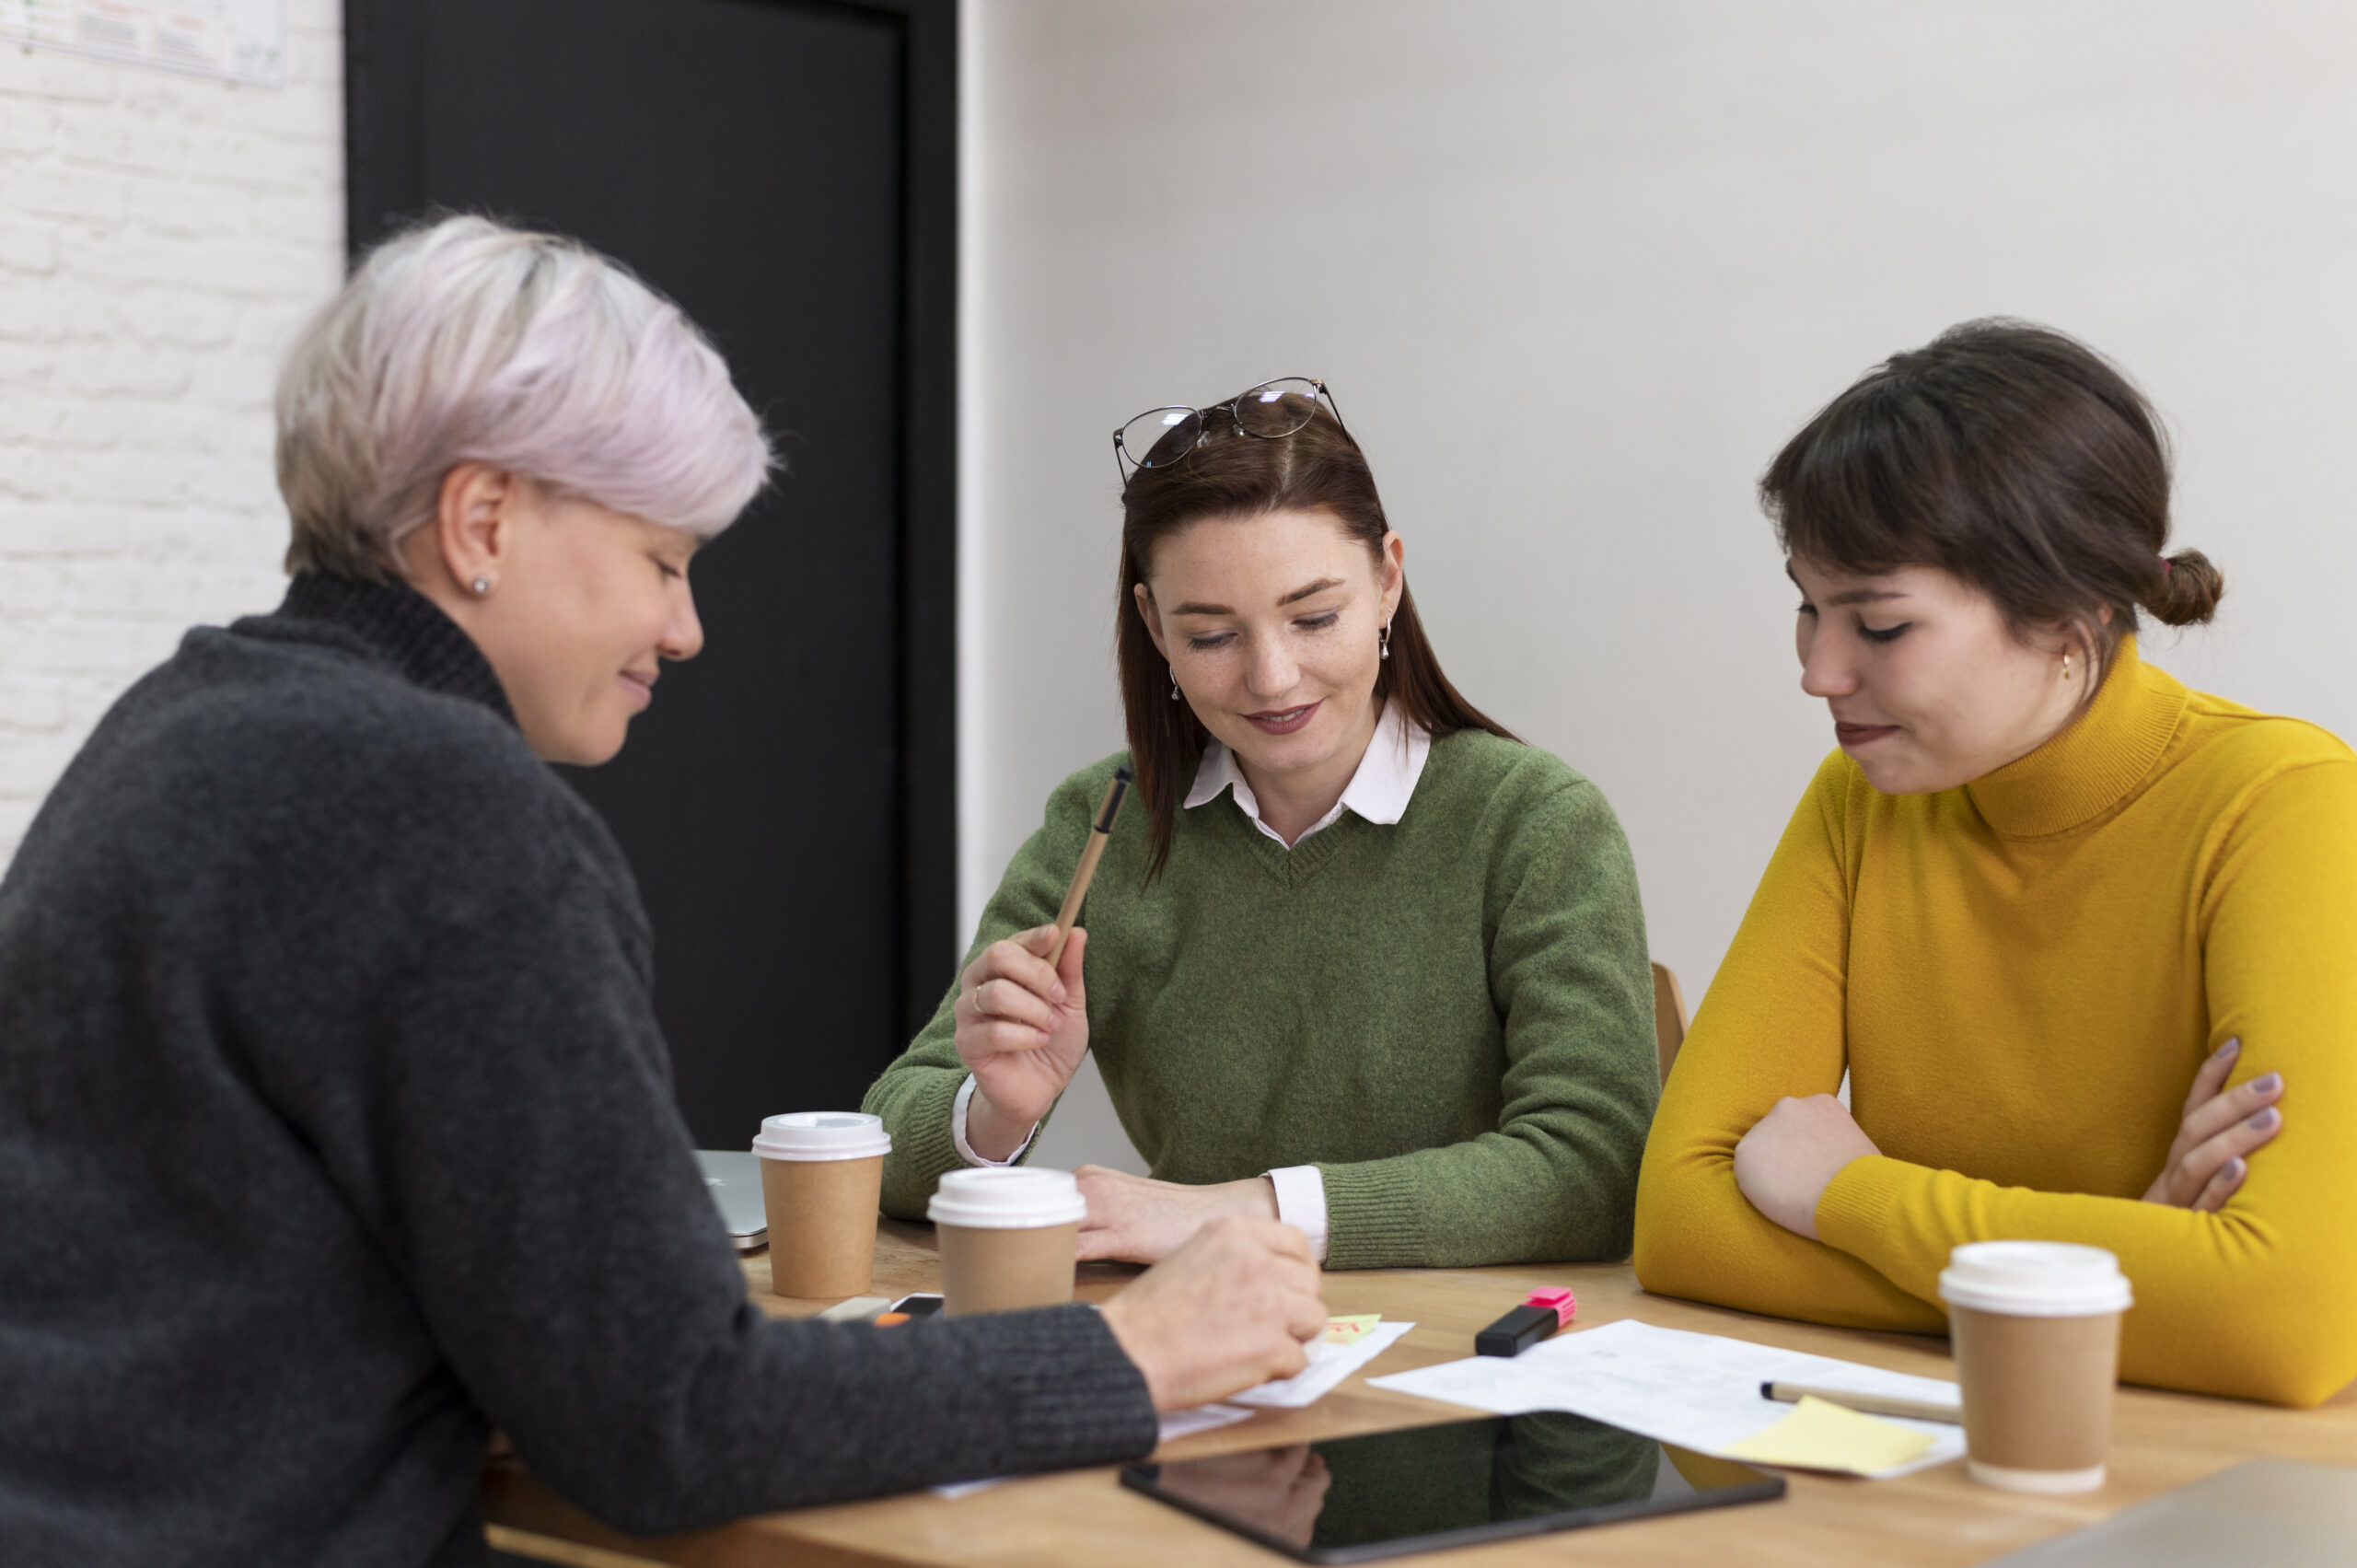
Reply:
x=1100, y=832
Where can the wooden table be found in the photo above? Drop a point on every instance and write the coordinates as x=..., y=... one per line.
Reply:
x=1085, y=1517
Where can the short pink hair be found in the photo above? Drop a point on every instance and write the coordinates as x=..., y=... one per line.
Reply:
x=468, y=341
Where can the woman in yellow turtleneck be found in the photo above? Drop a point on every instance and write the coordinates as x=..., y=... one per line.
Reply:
x=2086, y=941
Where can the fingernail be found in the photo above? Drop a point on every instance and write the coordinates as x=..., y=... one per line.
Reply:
x=2266, y=1083
x=1060, y=993
x=2228, y=1048
x=2266, y=1120
x=2234, y=1169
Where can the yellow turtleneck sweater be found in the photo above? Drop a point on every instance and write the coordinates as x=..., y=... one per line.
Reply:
x=2022, y=976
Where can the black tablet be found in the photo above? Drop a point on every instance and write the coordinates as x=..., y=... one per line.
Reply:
x=1356, y=1499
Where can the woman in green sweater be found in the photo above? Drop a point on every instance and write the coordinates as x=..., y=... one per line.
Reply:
x=1359, y=959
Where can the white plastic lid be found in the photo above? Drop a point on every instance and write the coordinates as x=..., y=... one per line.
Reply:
x=2034, y=1278
x=823, y=1135
x=1015, y=1197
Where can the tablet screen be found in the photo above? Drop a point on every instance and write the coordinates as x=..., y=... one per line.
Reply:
x=1354, y=1499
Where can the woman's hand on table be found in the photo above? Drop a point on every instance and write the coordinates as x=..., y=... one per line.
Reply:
x=1135, y=1219
x=1022, y=1029
x=1238, y=1305
x=2207, y=1163
x=1791, y=1155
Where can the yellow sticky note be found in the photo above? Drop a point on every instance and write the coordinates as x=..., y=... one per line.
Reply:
x=1822, y=1437
x=1352, y=1330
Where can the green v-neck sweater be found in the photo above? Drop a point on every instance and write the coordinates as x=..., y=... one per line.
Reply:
x=1450, y=1017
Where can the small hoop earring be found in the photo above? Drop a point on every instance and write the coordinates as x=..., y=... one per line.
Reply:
x=481, y=586
x=1382, y=640
x=1174, y=686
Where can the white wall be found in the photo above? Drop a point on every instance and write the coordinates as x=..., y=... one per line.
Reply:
x=1575, y=270
x=160, y=236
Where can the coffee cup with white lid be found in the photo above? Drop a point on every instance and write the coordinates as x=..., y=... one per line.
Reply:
x=2034, y=1278
x=823, y=1135
x=822, y=1173
x=2035, y=1330
x=1009, y=1238
x=1008, y=1198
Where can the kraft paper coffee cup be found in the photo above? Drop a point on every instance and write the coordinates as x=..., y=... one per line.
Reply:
x=821, y=1174
x=2035, y=1327
x=1008, y=1238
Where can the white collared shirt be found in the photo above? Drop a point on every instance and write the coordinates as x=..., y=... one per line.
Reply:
x=1378, y=792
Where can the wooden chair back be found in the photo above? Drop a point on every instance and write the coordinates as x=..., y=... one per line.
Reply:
x=1670, y=1018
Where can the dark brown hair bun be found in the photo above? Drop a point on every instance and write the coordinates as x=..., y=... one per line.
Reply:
x=2188, y=591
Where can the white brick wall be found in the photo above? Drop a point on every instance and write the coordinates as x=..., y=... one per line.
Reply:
x=162, y=237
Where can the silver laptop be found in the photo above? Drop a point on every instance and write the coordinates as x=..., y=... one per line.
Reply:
x=2283, y=1513
x=733, y=1179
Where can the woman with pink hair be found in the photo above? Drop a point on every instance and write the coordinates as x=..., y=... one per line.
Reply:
x=335, y=1126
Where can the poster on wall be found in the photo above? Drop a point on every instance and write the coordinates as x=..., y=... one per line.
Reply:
x=237, y=41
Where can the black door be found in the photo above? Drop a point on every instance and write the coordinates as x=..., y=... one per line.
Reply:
x=783, y=170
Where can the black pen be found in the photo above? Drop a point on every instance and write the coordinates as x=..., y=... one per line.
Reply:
x=1865, y=1404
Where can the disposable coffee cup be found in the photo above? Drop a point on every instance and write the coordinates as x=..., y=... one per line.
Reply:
x=1008, y=1238
x=823, y=1172
x=2035, y=1327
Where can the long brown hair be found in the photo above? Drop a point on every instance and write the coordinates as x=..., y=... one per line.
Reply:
x=2010, y=456
x=1318, y=467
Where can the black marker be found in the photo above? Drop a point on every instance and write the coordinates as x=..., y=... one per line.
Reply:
x=1544, y=1312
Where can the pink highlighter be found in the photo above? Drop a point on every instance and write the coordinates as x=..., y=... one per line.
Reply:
x=1541, y=1313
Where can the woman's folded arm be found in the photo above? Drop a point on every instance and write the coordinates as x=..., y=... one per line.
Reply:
x=2252, y=1301
x=1772, y=1026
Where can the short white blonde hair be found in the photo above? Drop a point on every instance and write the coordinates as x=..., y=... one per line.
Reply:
x=468, y=341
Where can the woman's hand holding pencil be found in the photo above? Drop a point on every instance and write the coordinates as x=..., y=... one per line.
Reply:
x=1022, y=1011
x=1022, y=1029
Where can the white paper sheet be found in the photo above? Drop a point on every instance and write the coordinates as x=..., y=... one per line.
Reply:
x=1700, y=1391
x=964, y=1488
x=1177, y=1425
x=1329, y=1365
x=1203, y=1418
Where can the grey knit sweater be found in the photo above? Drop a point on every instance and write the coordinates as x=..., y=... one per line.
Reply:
x=335, y=1129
